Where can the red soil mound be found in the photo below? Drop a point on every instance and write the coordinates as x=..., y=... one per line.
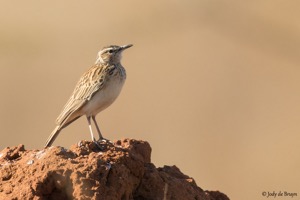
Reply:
x=122, y=170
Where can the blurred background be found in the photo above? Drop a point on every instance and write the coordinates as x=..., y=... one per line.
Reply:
x=213, y=86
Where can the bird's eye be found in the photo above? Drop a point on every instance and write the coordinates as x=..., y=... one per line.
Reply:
x=110, y=51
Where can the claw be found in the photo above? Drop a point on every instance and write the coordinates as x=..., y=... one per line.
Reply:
x=105, y=140
x=98, y=145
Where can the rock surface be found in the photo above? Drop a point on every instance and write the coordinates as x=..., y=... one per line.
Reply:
x=122, y=170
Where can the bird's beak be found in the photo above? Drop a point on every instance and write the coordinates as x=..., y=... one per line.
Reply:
x=126, y=46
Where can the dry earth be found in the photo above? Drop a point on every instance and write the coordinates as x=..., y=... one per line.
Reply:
x=121, y=170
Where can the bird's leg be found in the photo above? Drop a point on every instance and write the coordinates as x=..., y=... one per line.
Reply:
x=97, y=127
x=91, y=131
x=98, y=130
x=90, y=127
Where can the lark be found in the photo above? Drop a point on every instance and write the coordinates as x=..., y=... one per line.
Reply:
x=96, y=89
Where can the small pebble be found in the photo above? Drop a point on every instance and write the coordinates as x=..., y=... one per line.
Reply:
x=30, y=162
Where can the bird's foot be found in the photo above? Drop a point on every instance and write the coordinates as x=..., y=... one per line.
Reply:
x=98, y=145
x=105, y=140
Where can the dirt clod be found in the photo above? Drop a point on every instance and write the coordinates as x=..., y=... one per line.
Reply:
x=119, y=170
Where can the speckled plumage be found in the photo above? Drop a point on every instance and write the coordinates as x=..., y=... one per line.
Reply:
x=97, y=89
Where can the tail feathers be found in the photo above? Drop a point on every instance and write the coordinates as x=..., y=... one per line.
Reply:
x=53, y=136
x=57, y=130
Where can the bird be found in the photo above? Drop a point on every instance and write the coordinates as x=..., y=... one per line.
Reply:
x=96, y=89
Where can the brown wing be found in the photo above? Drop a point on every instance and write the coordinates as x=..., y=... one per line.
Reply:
x=90, y=82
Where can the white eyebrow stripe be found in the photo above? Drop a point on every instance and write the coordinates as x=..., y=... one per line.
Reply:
x=99, y=58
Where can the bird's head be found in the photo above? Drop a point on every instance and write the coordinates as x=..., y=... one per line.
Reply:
x=111, y=54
